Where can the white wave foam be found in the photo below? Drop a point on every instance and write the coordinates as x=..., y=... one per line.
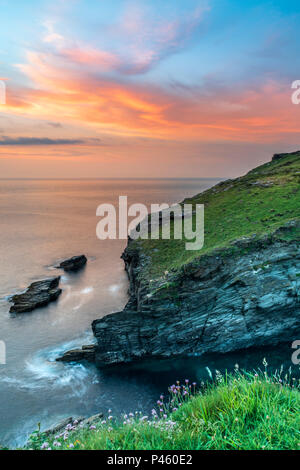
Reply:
x=42, y=371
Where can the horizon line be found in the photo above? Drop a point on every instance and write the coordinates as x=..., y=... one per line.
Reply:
x=115, y=178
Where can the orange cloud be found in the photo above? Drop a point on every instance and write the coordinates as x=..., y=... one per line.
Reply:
x=125, y=108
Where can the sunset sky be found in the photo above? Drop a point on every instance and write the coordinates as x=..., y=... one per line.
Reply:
x=99, y=88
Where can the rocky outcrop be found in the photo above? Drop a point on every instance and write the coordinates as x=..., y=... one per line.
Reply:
x=73, y=264
x=245, y=295
x=38, y=294
x=69, y=424
x=279, y=156
x=86, y=353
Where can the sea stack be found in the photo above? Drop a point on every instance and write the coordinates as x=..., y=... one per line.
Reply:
x=73, y=264
x=38, y=294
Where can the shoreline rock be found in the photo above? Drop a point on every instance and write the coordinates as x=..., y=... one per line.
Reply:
x=81, y=422
x=86, y=353
x=73, y=264
x=38, y=294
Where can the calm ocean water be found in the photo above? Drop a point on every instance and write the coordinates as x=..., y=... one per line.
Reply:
x=42, y=222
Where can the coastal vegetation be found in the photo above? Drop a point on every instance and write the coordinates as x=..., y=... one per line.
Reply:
x=234, y=412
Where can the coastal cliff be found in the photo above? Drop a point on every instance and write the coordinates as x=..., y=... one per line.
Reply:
x=238, y=292
x=245, y=296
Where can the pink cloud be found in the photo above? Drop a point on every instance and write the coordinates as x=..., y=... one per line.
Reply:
x=150, y=38
x=144, y=39
x=90, y=56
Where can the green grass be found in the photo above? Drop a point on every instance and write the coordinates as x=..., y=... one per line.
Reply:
x=241, y=411
x=233, y=209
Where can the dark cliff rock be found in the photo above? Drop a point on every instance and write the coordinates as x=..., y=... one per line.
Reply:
x=38, y=294
x=247, y=295
x=73, y=264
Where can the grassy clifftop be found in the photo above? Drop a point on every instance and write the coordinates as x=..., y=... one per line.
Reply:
x=258, y=203
x=239, y=412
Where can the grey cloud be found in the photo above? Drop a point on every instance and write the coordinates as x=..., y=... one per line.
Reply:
x=31, y=141
x=54, y=124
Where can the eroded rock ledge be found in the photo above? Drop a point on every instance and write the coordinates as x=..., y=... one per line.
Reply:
x=86, y=353
x=70, y=423
x=246, y=295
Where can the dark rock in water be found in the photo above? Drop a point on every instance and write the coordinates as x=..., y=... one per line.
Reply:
x=38, y=294
x=68, y=423
x=73, y=264
x=86, y=353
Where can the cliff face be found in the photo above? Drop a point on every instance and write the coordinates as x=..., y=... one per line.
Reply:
x=247, y=295
x=240, y=290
